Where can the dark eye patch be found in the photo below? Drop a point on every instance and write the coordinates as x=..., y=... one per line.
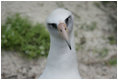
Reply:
x=67, y=20
x=53, y=25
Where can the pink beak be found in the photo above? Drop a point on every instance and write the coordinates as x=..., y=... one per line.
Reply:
x=63, y=30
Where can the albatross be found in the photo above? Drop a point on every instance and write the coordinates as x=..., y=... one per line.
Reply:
x=61, y=61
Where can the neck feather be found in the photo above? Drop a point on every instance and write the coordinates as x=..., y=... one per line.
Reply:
x=60, y=54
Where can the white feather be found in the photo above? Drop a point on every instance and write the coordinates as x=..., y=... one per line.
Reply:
x=56, y=16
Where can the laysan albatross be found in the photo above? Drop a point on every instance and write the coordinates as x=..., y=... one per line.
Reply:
x=61, y=61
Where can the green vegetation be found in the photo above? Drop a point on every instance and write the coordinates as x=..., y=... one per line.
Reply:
x=97, y=4
x=112, y=40
x=89, y=27
x=19, y=34
x=112, y=61
x=80, y=45
x=103, y=52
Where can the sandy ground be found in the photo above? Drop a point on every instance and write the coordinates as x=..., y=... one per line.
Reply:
x=91, y=64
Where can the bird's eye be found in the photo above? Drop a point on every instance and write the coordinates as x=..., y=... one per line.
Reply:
x=67, y=20
x=53, y=25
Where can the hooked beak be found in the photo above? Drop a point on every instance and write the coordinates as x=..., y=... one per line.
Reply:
x=63, y=30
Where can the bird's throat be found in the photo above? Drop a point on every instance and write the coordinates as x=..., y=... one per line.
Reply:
x=60, y=56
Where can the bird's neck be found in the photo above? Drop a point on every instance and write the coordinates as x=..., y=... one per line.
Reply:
x=61, y=58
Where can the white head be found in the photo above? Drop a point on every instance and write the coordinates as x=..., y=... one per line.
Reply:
x=60, y=24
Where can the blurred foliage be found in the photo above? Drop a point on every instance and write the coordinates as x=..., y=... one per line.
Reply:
x=80, y=45
x=112, y=61
x=112, y=40
x=109, y=3
x=89, y=27
x=82, y=40
x=103, y=52
x=97, y=4
x=110, y=8
x=19, y=34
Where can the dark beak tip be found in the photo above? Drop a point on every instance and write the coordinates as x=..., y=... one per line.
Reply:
x=70, y=47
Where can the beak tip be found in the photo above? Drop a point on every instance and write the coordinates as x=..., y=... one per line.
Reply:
x=70, y=47
x=68, y=44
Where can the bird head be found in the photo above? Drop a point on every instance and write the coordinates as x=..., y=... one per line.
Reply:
x=60, y=24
